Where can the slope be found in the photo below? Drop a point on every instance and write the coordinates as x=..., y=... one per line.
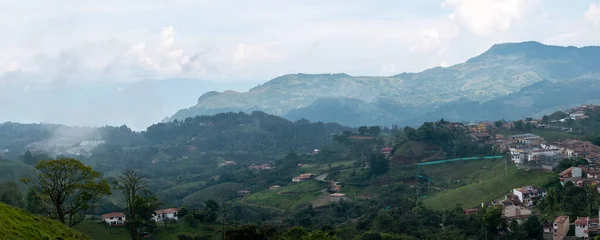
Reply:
x=502, y=70
x=18, y=224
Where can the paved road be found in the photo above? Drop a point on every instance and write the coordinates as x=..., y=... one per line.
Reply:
x=321, y=177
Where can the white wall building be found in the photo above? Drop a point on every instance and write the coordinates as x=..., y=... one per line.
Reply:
x=582, y=227
x=164, y=214
x=529, y=195
x=114, y=219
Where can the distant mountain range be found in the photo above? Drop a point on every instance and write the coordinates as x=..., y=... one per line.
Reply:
x=510, y=81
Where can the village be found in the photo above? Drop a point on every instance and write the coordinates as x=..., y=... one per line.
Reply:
x=526, y=151
x=532, y=152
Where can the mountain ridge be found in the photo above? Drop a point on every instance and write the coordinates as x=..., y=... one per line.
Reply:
x=502, y=70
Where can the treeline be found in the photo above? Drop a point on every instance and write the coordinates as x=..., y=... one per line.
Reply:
x=452, y=139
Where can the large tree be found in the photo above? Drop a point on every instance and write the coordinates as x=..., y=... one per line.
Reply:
x=65, y=189
x=140, y=203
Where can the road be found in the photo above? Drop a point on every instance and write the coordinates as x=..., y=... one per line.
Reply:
x=321, y=177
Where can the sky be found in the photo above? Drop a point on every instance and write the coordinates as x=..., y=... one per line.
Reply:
x=114, y=42
x=234, y=40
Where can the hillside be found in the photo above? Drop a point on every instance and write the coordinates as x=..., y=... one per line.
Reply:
x=410, y=98
x=18, y=224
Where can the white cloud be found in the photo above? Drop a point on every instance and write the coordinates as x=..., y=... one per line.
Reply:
x=593, y=14
x=483, y=17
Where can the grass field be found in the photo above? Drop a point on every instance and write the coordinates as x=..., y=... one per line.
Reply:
x=217, y=192
x=16, y=223
x=304, y=187
x=319, y=168
x=99, y=231
x=474, y=194
x=286, y=202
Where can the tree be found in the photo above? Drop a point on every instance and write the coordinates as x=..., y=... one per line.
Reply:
x=28, y=158
x=379, y=164
x=65, y=189
x=140, y=204
x=374, y=131
x=362, y=130
x=211, y=211
x=10, y=194
x=498, y=124
x=533, y=228
x=520, y=125
x=545, y=119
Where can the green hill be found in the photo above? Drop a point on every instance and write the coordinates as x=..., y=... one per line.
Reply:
x=473, y=194
x=217, y=192
x=16, y=223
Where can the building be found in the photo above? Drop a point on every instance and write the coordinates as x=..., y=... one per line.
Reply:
x=387, y=150
x=560, y=227
x=511, y=211
x=572, y=174
x=528, y=139
x=336, y=197
x=316, y=151
x=529, y=195
x=114, y=219
x=243, y=193
x=166, y=214
x=582, y=227
x=260, y=167
x=274, y=187
x=303, y=177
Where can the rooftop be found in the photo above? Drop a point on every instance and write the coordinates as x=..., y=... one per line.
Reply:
x=167, y=210
x=561, y=219
x=337, y=195
x=113, y=214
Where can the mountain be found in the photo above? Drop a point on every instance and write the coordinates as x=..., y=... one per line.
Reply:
x=408, y=98
x=19, y=224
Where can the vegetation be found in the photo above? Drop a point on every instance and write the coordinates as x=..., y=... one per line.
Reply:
x=19, y=224
x=10, y=194
x=65, y=189
x=474, y=194
x=140, y=204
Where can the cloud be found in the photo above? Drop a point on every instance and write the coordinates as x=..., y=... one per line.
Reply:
x=592, y=14
x=483, y=17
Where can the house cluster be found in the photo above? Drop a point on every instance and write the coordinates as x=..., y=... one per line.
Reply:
x=584, y=227
x=581, y=175
x=516, y=205
x=527, y=148
x=119, y=219
x=303, y=177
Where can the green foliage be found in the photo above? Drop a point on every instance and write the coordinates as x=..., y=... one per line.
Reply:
x=379, y=164
x=66, y=188
x=19, y=224
x=475, y=193
x=11, y=194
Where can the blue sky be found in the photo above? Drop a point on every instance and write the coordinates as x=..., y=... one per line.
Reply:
x=130, y=40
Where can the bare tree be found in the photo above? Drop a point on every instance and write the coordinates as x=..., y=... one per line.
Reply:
x=140, y=203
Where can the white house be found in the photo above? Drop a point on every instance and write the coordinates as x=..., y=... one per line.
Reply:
x=582, y=227
x=114, y=219
x=164, y=214
x=529, y=195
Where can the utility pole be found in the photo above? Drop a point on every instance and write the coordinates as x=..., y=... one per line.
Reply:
x=417, y=186
x=224, y=219
x=505, y=165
